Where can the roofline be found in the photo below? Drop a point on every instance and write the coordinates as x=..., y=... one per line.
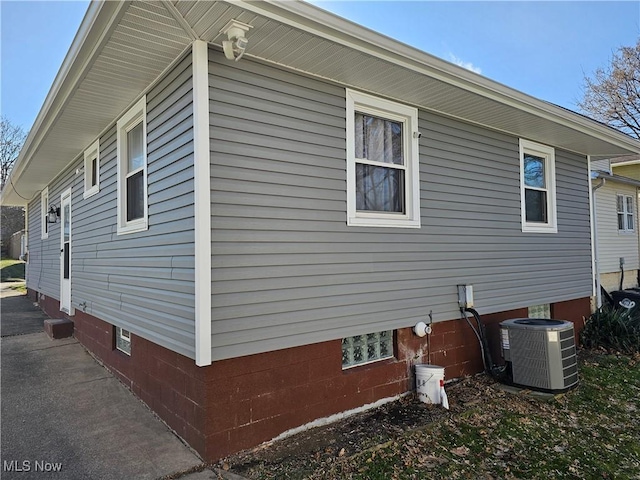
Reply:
x=319, y=22
x=96, y=26
x=103, y=16
x=624, y=164
x=615, y=178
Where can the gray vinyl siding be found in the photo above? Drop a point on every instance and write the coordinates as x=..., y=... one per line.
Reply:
x=613, y=244
x=143, y=282
x=286, y=268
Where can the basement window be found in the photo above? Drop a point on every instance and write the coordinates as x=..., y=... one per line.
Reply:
x=92, y=170
x=123, y=340
x=540, y=311
x=361, y=349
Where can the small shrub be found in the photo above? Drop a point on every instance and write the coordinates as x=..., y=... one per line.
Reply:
x=613, y=329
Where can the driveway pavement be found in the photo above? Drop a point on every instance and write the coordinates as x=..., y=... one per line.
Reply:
x=64, y=416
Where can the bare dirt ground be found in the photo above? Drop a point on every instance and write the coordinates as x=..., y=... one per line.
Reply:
x=303, y=453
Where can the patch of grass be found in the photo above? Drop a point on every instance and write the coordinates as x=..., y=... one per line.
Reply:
x=19, y=287
x=11, y=270
x=590, y=432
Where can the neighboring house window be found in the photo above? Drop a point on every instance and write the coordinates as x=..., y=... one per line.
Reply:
x=92, y=170
x=626, y=222
x=44, y=208
x=540, y=311
x=362, y=349
x=132, y=170
x=537, y=187
x=383, y=187
x=123, y=340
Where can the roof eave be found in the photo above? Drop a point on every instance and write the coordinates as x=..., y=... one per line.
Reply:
x=328, y=25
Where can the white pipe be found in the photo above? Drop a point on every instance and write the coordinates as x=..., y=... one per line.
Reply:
x=595, y=243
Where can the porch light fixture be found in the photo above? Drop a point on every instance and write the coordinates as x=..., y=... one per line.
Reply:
x=53, y=214
x=237, y=43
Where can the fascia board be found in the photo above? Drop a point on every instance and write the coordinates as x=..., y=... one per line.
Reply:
x=319, y=22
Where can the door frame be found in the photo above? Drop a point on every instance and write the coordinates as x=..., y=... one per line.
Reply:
x=65, y=293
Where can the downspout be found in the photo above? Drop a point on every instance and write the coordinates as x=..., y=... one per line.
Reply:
x=594, y=219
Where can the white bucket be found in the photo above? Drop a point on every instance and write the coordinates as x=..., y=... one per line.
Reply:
x=428, y=383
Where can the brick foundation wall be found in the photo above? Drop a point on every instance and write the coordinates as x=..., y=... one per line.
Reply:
x=239, y=403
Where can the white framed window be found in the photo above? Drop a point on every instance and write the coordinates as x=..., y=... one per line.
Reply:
x=625, y=211
x=383, y=185
x=44, y=209
x=123, y=340
x=540, y=311
x=361, y=349
x=92, y=170
x=132, y=169
x=538, y=187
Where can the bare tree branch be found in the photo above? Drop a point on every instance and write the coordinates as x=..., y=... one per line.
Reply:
x=11, y=140
x=612, y=95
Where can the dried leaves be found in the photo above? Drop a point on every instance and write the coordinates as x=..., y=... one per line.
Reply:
x=590, y=432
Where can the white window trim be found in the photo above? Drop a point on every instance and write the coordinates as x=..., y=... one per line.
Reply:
x=408, y=116
x=548, y=153
x=89, y=154
x=135, y=115
x=44, y=208
x=625, y=213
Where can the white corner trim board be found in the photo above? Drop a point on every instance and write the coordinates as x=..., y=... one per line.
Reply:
x=202, y=202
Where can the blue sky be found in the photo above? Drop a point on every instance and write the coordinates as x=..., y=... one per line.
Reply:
x=540, y=48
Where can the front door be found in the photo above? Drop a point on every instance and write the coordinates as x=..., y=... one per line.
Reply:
x=65, y=252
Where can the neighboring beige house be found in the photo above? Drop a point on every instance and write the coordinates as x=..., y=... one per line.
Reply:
x=628, y=166
x=616, y=184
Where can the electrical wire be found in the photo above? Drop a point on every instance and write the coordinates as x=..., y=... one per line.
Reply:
x=464, y=315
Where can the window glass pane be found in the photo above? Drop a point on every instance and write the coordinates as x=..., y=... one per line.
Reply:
x=534, y=174
x=629, y=204
x=66, y=261
x=67, y=222
x=135, y=196
x=620, y=200
x=123, y=341
x=629, y=222
x=366, y=348
x=94, y=172
x=536, y=205
x=378, y=139
x=540, y=311
x=134, y=148
x=379, y=189
x=621, y=221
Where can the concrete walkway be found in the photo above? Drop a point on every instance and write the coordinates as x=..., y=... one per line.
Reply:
x=64, y=416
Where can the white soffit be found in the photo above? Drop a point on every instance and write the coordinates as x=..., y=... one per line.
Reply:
x=142, y=38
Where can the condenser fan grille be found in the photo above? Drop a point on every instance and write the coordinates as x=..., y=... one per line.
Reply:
x=542, y=353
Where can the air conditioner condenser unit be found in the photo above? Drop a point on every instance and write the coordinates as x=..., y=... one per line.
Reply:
x=540, y=353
